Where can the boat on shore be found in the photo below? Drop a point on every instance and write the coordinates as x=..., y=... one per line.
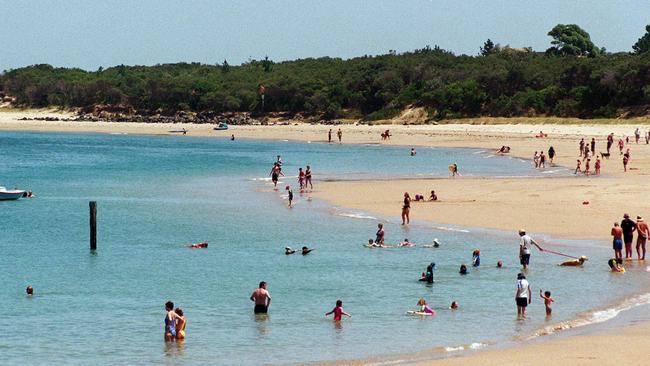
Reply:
x=6, y=195
x=221, y=127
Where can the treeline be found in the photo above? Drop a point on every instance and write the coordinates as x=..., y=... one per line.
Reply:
x=573, y=78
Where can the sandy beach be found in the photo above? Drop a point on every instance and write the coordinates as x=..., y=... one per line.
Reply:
x=578, y=207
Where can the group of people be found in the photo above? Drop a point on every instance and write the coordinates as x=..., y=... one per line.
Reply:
x=175, y=323
x=339, y=134
x=623, y=233
x=304, y=178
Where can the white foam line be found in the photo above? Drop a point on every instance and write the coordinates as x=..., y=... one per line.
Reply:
x=357, y=216
x=475, y=345
x=451, y=229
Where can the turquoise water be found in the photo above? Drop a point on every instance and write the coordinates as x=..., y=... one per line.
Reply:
x=156, y=194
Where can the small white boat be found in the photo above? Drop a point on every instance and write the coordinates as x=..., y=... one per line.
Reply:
x=10, y=194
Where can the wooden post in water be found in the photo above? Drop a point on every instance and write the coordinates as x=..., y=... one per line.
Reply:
x=93, y=225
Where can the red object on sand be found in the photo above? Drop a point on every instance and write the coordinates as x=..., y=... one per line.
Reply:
x=199, y=245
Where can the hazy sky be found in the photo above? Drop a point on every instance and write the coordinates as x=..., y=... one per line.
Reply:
x=93, y=33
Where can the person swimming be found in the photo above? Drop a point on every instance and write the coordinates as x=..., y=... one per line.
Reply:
x=406, y=243
x=499, y=264
x=305, y=250
x=29, y=290
x=463, y=269
x=454, y=305
x=289, y=250
x=424, y=308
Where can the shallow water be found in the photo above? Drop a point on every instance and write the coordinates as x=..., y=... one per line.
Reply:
x=156, y=194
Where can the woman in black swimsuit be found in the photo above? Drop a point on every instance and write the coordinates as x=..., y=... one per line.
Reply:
x=406, y=208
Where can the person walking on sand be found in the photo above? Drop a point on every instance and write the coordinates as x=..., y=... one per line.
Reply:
x=339, y=133
x=525, y=244
x=637, y=135
x=628, y=226
x=617, y=242
x=379, y=236
x=593, y=146
x=551, y=154
x=587, y=167
x=578, y=162
x=610, y=141
x=626, y=159
x=582, y=146
x=523, y=296
x=406, y=208
x=642, y=237
x=262, y=299
x=621, y=144
x=597, y=166
x=329, y=136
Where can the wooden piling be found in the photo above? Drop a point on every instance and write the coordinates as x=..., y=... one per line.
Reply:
x=93, y=225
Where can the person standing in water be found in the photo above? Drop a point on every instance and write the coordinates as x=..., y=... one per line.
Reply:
x=642, y=236
x=551, y=154
x=276, y=172
x=301, y=179
x=290, y=195
x=628, y=226
x=406, y=208
x=379, y=236
x=523, y=295
x=524, y=248
x=180, y=325
x=338, y=311
x=617, y=243
x=262, y=299
x=308, y=178
x=170, y=322
x=339, y=133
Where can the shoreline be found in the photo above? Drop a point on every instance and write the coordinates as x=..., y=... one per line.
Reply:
x=566, y=350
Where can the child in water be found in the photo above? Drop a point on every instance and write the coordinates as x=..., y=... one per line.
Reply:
x=463, y=269
x=290, y=193
x=424, y=308
x=548, y=300
x=476, y=258
x=338, y=311
x=454, y=305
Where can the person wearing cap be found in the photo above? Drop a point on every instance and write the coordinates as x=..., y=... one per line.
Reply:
x=628, y=227
x=523, y=295
x=524, y=248
x=642, y=236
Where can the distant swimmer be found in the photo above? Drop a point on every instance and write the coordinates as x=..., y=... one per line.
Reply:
x=198, y=245
x=463, y=269
x=413, y=152
x=232, y=137
x=454, y=305
x=503, y=150
x=574, y=262
x=289, y=251
x=500, y=264
x=338, y=311
x=262, y=299
x=406, y=243
x=29, y=290
x=306, y=250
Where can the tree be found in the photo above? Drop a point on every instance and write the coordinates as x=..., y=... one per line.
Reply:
x=488, y=48
x=643, y=44
x=570, y=39
x=266, y=64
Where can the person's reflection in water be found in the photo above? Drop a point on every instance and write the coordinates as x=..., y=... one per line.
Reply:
x=174, y=349
x=261, y=324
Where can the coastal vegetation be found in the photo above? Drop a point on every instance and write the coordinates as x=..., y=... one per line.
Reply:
x=573, y=78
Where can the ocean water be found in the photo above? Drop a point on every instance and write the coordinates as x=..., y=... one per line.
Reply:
x=157, y=194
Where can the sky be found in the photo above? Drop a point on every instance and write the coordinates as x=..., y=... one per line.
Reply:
x=91, y=33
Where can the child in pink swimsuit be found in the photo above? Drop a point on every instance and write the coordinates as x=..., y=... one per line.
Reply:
x=422, y=303
x=338, y=311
